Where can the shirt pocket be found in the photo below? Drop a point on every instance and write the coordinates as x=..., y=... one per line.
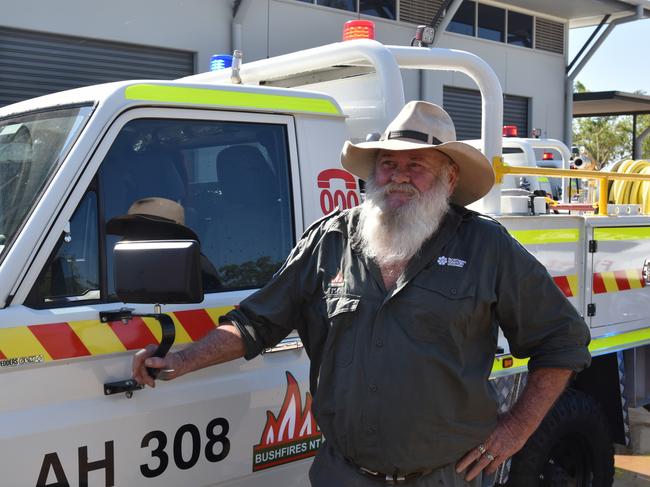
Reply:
x=442, y=309
x=341, y=314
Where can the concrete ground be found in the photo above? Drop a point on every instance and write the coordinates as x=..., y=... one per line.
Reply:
x=633, y=463
x=632, y=471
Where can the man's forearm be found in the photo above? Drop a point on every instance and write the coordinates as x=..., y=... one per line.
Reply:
x=220, y=345
x=543, y=388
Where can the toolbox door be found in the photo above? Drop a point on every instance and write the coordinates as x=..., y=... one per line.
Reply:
x=619, y=293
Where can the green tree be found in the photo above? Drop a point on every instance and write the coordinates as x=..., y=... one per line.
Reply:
x=608, y=139
x=642, y=123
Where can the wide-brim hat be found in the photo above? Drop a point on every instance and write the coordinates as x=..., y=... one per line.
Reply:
x=151, y=219
x=424, y=126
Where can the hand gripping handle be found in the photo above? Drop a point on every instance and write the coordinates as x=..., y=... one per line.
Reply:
x=167, y=340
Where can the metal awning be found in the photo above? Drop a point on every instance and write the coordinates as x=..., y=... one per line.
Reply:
x=582, y=13
x=607, y=103
x=603, y=103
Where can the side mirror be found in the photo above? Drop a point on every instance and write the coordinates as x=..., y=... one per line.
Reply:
x=158, y=271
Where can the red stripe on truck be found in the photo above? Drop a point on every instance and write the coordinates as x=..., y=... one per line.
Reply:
x=196, y=322
x=599, y=284
x=59, y=340
x=622, y=281
x=563, y=283
x=134, y=335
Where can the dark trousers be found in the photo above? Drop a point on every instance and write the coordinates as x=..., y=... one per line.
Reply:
x=331, y=470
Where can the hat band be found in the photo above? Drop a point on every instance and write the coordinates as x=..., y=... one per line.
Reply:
x=413, y=134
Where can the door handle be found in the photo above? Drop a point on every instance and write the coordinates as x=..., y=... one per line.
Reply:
x=290, y=343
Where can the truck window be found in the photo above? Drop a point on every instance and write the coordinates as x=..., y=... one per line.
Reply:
x=32, y=146
x=72, y=272
x=232, y=179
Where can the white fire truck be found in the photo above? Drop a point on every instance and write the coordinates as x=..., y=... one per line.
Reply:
x=252, y=155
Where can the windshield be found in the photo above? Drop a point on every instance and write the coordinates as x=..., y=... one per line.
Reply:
x=31, y=148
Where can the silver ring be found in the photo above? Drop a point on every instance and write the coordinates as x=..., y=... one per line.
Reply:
x=481, y=449
x=489, y=456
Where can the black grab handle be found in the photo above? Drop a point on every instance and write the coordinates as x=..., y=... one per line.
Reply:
x=167, y=340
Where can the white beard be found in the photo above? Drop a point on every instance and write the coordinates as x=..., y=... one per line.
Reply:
x=394, y=235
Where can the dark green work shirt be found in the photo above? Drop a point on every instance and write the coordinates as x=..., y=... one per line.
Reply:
x=400, y=376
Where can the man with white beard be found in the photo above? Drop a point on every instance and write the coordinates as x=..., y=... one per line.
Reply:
x=393, y=228
x=398, y=303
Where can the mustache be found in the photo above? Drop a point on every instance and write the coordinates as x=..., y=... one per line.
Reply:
x=400, y=188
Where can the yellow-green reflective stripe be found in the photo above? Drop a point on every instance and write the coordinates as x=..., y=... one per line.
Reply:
x=207, y=96
x=542, y=179
x=517, y=363
x=598, y=346
x=619, y=341
x=554, y=235
x=622, y=233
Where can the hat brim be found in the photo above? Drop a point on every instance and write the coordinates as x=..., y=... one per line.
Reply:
x=475, y=173
x=148, y=227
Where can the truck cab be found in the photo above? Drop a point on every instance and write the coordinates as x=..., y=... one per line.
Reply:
x=230, y=157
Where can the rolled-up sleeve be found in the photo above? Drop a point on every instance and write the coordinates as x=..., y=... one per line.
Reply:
x=267, y=316
x=535, y=316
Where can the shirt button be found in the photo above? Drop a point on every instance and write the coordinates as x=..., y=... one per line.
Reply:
x=453, y=291
x=379, y=342
x=372, y=387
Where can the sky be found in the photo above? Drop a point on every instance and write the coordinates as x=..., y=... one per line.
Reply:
x=622, y=63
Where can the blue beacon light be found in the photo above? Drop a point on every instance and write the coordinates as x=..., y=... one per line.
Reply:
x=220, y=61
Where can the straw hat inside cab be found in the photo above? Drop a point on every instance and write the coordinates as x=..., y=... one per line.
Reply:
x=152, y=218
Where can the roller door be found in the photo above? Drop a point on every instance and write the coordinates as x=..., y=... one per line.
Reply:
x=464, y=107
x=35, y=63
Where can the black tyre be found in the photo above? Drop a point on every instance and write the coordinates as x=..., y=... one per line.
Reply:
x=571, y=448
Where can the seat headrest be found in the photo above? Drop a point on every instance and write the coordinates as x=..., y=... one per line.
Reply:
x=242, y=170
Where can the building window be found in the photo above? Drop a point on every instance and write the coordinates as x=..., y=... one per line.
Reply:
x=379, y=8
x=350, y=5
x=386, y=9
x=491, y=23
x=464, y=20
x=520, y=29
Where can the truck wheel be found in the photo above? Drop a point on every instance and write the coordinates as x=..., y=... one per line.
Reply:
x=572, y=447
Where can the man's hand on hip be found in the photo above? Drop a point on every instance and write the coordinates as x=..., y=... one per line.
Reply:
x=514, y=428
x=507, y=439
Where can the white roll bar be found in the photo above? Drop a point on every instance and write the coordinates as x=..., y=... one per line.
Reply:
x=491, y=96
x=356, y=53
x=387, y=61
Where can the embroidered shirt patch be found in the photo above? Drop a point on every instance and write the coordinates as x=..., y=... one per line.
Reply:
x=451, y=261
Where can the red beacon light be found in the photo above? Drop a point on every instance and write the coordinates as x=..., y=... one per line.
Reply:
x=548, y=156
x=510, y=131
x=358, y=29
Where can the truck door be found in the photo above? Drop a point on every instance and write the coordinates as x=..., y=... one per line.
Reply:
x=242, y=423
x=619, y=293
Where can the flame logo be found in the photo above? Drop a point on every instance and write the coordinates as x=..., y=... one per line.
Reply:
x=293, y=421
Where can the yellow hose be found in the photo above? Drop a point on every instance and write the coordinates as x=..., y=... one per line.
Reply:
x=632, y=192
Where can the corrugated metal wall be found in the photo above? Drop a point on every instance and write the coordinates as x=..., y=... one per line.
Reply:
x=35, y=63
x=464, y=107
x=515, y=112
